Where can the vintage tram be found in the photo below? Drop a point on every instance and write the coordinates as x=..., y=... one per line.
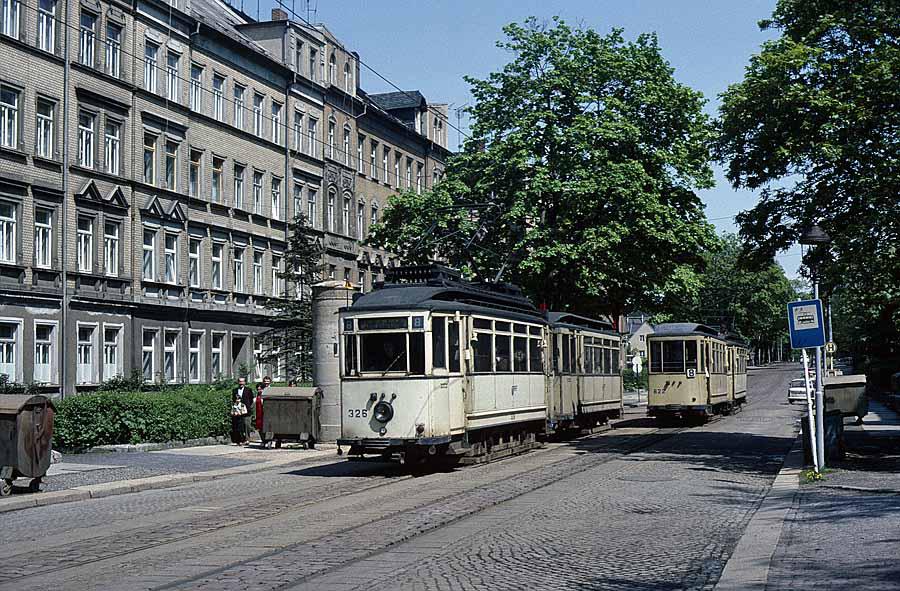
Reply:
x=694, y=372
x=433, y=365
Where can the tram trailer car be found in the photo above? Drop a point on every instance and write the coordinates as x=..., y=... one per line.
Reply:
x=585, y=385
x=435, y=365
x=693, y=372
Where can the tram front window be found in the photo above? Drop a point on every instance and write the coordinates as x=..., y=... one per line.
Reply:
x=673, y=356
x=386, y=352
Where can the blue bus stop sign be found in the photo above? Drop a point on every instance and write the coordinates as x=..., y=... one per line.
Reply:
x=806, y=325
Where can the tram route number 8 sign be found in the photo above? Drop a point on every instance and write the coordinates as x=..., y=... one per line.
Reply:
x=805, y=323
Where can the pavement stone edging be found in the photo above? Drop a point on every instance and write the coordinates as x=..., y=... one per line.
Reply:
x=121, y=487
x=748, y=566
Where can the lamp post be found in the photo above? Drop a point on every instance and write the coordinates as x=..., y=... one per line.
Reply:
x=815, y=236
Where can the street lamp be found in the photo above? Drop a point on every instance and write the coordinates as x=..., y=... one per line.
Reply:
x=816, y=236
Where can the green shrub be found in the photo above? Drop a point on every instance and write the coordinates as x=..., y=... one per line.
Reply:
x=117, y=417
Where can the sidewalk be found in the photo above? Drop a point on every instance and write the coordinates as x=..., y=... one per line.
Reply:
x=844, y=532
x=93, y=475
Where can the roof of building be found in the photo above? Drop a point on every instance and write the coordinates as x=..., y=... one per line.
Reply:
x=225, y=19
x=407, y=99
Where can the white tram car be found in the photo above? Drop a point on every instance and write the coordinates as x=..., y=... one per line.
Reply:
x=434, y=365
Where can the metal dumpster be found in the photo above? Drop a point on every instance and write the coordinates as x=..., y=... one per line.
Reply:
x=291, y=414
x=26, y=430
x=847, y=394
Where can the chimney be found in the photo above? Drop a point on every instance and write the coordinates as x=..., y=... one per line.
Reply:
x=279, y=15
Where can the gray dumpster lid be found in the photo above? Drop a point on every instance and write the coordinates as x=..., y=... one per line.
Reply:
x=290, y=392
x=11, y=404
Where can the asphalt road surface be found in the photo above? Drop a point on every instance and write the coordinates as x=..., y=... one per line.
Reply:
x=638, y=507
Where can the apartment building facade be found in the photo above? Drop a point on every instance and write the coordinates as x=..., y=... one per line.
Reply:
x=152, y=155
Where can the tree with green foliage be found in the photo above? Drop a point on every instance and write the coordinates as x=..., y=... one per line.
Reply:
x=814, y=126
x=578, y=179
x=289, y=341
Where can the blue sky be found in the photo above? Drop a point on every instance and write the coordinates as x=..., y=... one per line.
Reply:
x=430, y=45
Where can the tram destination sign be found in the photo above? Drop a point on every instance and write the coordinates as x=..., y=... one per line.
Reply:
x=386, y=323
x=805, y=323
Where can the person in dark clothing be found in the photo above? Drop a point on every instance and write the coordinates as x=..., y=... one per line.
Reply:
x=242, y=402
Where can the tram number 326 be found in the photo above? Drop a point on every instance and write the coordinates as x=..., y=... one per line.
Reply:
x=358, y=413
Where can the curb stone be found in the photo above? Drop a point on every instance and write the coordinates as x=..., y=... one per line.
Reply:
x=748, y=566
x=121, y=487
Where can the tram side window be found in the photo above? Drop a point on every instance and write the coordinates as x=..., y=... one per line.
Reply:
x=566, y=361
x=417, y=353
x=503, y=352
x=484, y=352
x=349, y=355
x=615, y=360
x=454, y=345
x=439, y=342
x=536, y=360
x=690, y=354
x=588, y=357
x=383, y=352
x=520, y=353
x=656, y=356
x=573, y=352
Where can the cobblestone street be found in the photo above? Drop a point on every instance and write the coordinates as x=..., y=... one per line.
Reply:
x=638, y=507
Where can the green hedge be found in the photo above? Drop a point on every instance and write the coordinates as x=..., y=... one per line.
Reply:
x=106, y=418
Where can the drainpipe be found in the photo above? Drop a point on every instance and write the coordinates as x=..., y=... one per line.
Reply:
x=64, y=214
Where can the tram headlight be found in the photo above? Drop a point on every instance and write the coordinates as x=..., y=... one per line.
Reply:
x=383, y=412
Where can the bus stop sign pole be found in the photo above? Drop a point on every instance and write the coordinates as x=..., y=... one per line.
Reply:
x=807, y=330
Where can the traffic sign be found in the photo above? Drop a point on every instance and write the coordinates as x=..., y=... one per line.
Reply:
x=636, y=364
x=830, y=347
x=805, y=324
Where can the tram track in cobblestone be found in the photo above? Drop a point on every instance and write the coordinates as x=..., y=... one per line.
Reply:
x=135, y=541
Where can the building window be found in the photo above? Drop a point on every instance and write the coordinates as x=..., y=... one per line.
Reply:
x=397, y=158
x=9, y=340
x=332, y=69
x=331, y=126
x=215, y=357
x=196, y=87
x=43, y=238
x=385, y=158
x=360, y=219
x=216, y=184
x=257, y=192
x=170, y=355
x=347, y=146
x=218, y=98
x=7, y=232
x=258, y=127
x=87, y=34
x=238, y=186
x=298, y=130
x=313, y=130
x=362, y=281
x=9, y=117
x=276, y=122
x=194, y=173
x=85, y=355
x=44, y=340
x=373, y=160
x=194, y=358
x=173, y=82
x=149, y=158
x=148, y=266
x=86, y=140
x=311, y=208
x=348, y=79
x=113, y=49
x=420, y=177
x=171, y=258
x=257, y=272
x=172, y=166
x=313, y=63
x=46, y=24
x=45, y=128
x=112, y=147
x=239, y=106
x=238, y=269
x=85, y=244
x=345, y=216
x=330, y=215
x=216, y=267
x=347, y=274
x=276, y=198
x=9, y=18
x=298, y=55
x=111, y=340
x=148, y=355
x=151, y=51
x=277, y=279
x=332, y=271
x=111, y=248
x=408, y=174
x=374, y=214
x=298, y=198
x=194, y=262
x=360, y=160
